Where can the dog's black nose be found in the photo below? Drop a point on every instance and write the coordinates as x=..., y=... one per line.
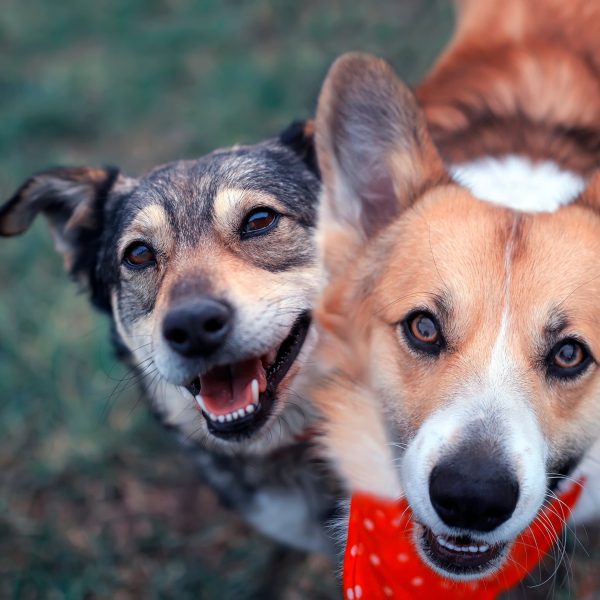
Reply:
x=473, y=490
x=198, y=328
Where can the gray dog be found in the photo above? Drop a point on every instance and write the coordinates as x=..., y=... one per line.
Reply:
x=208, y=270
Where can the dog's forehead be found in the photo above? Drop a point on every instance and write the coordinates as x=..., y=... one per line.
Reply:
x=558, y=268
x=186, y=190
x=450, y=245
x=482, y=258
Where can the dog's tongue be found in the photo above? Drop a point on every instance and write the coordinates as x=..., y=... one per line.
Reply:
x=229, y=388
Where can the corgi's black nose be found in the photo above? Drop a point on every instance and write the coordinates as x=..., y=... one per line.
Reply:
x=473, y=490
x=198, y=328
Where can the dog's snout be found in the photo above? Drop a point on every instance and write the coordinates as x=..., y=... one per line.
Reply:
x=198, y=328
x=474, y=491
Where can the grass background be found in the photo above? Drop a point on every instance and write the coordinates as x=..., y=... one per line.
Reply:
x=96, y=501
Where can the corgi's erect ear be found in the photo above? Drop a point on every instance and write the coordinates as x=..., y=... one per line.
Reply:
x=374, y=150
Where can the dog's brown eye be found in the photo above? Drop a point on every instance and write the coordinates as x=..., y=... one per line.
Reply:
x=424, y=329
x=139, y=256
x=568, y=358
x=259, y=221
x=423, y=332
x=569, y=355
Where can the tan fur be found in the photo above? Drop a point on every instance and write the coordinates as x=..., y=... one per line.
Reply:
x=151, y=222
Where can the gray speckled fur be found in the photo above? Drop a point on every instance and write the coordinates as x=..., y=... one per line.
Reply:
x=286, y=491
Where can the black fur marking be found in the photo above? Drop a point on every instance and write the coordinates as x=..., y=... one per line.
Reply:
x=295, y=137
x=88, y=245
x=562, y=470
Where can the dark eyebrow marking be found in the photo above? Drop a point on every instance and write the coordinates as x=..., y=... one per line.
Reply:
x=557, y=322
x=443, y=304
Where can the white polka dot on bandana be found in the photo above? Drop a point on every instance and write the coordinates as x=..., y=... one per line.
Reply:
x=417, y=581
x=350, y=594
x=369, y=524
x=375, y=560
x=357, y=591
x=402, y=557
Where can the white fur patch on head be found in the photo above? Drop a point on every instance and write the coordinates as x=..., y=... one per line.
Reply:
x=519, y=183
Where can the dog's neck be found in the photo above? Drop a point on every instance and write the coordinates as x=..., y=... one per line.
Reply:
x=513, y=103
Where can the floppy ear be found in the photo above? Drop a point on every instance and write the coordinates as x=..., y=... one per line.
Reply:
x=373, y=147
x=72, y=200
x=300, y=137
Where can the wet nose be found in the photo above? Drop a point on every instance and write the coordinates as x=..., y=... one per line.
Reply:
x=474, y=491
x=198, y=328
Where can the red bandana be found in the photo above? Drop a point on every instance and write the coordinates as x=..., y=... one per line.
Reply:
x=381, y=561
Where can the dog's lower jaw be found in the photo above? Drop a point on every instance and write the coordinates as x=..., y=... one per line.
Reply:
x=234, y=415
x=262, y=410
x=466, y=560
x=288, y=422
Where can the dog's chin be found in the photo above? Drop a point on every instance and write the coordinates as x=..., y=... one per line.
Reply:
x=260, y=405
x=463, y=558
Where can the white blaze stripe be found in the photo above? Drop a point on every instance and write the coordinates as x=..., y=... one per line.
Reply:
x=494, y=394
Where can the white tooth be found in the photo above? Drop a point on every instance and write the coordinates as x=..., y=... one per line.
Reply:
x=228, y=418
x=241, y=412
x=254, y=388
x=250, y=408
x=473, y=549
x=221, y=418
x=234, y=415
x=199, y=401
x=484, y=548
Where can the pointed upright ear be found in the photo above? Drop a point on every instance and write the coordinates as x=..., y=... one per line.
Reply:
x=72, y=200
x=373, y=147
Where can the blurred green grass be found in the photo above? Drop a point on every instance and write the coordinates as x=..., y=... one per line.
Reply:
x=96, y=501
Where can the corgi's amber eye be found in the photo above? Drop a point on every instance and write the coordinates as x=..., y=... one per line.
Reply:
x=423, y=332
x=424, y=329
x=258, y=221
x=569, y=355
x=139, y=256
x=568, y=358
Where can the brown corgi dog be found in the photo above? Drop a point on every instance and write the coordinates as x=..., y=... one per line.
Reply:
x=460, y=237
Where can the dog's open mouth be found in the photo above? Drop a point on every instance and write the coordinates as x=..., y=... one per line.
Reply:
x=461, y=555
x=237, y=399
